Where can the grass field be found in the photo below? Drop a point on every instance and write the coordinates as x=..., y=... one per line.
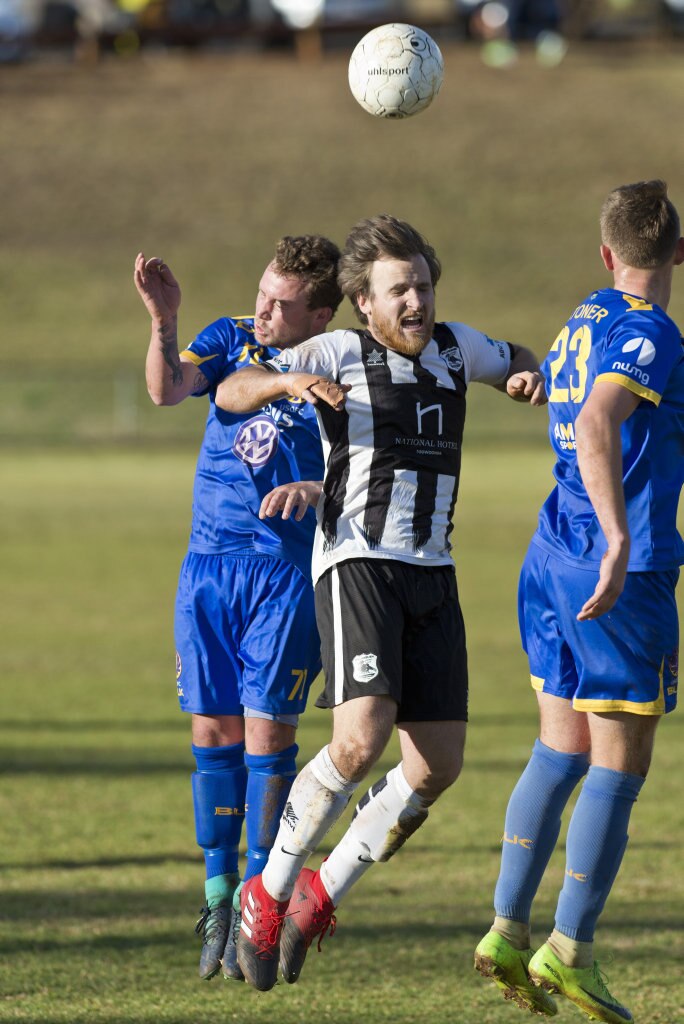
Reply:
x=101, y=876
x=205, y=161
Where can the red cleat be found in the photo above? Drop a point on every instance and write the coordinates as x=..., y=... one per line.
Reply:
x=258, y=944
x=309, y=915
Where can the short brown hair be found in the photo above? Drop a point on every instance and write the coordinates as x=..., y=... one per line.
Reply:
x=640, y=224
x=378, y=238
x=314, y=259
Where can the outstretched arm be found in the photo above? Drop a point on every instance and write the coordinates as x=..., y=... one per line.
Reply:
x=253, y=387
x=169, y=378
x=599, y=457
x=524, y=382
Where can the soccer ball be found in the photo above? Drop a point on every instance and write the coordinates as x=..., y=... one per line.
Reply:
x=395, y=71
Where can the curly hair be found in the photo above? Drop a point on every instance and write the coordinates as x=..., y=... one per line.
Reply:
x=315, y=259
x=640, y=224
x=380, y=238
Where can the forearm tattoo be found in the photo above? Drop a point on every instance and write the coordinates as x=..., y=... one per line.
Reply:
x=168, y=337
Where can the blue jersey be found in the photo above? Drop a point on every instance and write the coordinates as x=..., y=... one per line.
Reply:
x=626, y=340
x=244, y=456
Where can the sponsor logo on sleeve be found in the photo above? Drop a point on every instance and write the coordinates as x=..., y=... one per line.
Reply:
x=641, y=352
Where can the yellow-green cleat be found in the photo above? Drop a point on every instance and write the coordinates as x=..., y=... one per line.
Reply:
x=497, y=959
x=584, y=986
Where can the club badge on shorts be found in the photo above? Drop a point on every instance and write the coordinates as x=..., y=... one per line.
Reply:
x=365, y=667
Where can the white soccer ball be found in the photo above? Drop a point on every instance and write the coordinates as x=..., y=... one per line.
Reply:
x=395, y=71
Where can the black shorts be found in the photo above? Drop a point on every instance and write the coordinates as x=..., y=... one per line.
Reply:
x=394, y=628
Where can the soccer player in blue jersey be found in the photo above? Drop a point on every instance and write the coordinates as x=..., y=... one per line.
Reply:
x=597, y=605
x=247, y=647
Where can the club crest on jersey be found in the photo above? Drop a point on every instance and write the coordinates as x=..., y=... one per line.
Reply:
x=256, y=441
x=375, y=358
x=453, y=357
x=179, y=669
x=365, y=667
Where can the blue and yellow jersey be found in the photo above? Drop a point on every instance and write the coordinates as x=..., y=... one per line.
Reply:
x=244, y=456
x=623, y=339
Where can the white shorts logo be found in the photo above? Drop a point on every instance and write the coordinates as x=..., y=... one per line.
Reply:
x=365, y=667
x=257, y=440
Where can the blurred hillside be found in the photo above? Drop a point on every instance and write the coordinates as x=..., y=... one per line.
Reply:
x=207, y=158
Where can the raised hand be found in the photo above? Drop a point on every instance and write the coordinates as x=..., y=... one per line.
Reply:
x=157, y=287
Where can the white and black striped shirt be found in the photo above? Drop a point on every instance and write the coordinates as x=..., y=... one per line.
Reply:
x=393, y=455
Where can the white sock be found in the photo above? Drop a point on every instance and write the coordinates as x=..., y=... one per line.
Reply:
x=318, y=797
x=385, y=817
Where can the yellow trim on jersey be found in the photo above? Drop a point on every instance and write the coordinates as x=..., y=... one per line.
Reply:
x=631, y=385
x=192, y=357
x=636, y=303
x=537, y=683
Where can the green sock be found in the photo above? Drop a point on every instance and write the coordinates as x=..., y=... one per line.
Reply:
x=220, y=889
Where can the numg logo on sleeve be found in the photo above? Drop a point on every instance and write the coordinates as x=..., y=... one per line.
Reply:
x=645, y=353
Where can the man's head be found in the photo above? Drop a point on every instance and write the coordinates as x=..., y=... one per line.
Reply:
x=640, y=225
x=389, y=272
x=298, y=292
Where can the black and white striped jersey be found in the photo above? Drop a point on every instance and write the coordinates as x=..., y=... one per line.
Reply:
x=393, y=455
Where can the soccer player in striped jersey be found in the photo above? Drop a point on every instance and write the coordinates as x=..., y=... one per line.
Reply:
x=598, y=615
x=391, y=401
x=246, y=638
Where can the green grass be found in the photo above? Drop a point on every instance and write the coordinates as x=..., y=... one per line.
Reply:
x=101, y=877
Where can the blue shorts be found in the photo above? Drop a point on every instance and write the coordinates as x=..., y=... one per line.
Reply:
x=626, y=660
x=246, y=636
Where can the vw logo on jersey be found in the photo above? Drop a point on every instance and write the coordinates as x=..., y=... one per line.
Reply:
x=453, y=357
x=646, y=350
x=365, y=667
x=256, y=441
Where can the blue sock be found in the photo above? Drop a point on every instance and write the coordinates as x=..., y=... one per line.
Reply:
x=533, y=820
x=218, y=791
x=268, y=784
x=597, y=837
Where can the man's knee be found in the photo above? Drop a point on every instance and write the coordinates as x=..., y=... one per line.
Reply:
x=361, y=731
x=217, y=730
x=438, y=777
x=265, y=736
x=354, y=756
x=623, y=741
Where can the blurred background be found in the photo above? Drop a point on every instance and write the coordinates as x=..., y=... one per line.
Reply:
x=125, y=25
x=201, y=131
